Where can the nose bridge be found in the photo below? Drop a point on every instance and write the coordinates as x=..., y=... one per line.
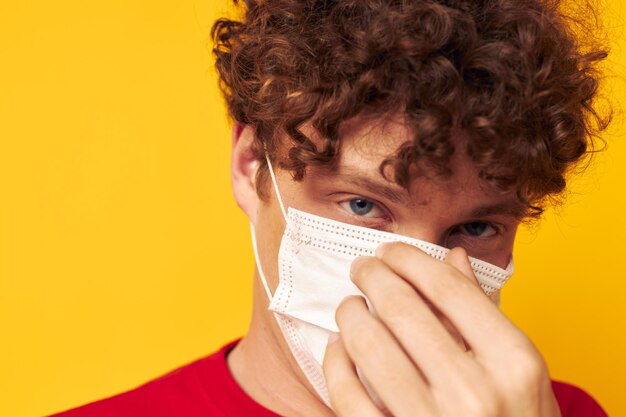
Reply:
x=436, y=204
x=424, y=228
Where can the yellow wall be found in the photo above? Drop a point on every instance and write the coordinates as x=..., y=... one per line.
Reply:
x=122, y=253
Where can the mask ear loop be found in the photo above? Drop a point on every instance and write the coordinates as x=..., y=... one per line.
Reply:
x=258, y=263
x=254, y=243
x=280, y=200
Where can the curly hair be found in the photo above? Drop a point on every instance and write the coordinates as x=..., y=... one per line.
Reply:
x=518, y=78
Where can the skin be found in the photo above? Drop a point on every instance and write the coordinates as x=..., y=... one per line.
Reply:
x=439, y=347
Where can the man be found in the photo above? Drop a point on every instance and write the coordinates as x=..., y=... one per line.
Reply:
x=385, y=152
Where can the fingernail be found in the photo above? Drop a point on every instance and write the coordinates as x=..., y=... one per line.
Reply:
x=356, y=263
x=381, y=249
x=333, y=337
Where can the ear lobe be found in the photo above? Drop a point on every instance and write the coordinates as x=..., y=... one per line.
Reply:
x=244, y=166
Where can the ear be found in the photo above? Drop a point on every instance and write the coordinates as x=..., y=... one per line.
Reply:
x=243, y=169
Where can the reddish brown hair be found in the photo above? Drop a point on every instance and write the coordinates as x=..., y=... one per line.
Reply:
x=511, y=75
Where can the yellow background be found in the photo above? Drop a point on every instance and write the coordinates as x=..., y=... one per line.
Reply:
x=123, y=255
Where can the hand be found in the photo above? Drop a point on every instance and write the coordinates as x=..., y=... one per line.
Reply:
x=478, y=364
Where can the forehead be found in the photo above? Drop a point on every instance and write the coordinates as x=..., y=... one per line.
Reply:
x=372, y=139
x=366, y=144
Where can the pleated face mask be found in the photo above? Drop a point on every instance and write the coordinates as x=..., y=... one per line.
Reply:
x=314, y=277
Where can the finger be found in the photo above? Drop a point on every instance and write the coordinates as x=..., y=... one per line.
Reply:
x=384, y=364
x=464, y=304
x=348, y=397
x=429, y=339
x=458, y=258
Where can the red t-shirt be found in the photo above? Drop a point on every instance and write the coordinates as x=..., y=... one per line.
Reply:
x=205, y=388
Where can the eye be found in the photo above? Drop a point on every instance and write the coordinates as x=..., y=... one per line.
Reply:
x=478, y=229
x=362, y=207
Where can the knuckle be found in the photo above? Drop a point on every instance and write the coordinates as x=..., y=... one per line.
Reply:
x=528, y=366
x=526, y=371
x=479, y=401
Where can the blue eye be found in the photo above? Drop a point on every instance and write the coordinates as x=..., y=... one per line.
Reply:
x=362, y=207
x=478, y=229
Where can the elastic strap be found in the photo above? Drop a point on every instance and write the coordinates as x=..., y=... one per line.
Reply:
x=280, y=200
x=258, y=263
x=252, y=232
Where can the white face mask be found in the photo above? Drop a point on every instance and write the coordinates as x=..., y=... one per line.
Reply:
x=314, y=277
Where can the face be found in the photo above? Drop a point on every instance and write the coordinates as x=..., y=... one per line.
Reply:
x=458, y=211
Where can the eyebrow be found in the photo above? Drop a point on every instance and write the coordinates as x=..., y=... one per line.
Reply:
x=355, y=178
x=379, y=189
x=515, y=210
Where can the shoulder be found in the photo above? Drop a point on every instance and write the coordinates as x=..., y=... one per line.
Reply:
x=179, y=392
x=575, y=402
